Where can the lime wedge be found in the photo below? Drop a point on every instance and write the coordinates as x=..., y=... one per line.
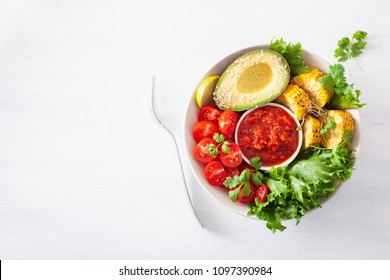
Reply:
x=205, y=90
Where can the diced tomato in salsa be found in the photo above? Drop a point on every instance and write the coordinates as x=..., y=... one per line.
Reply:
x=270, y=133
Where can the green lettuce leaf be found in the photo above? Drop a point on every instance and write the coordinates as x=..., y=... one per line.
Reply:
x=292, y=53
x=302, y=186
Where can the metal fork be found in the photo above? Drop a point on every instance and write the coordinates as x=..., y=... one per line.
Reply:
x=159, y=122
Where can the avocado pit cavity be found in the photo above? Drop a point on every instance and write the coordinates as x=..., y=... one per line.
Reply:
x=254, y=78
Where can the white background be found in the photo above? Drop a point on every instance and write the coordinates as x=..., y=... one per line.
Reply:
x=85, y=173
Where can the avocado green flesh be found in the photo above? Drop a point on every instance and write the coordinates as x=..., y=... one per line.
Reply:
x=254, y=79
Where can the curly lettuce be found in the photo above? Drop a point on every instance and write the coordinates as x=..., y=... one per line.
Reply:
x=292, y=53
x=302, y=185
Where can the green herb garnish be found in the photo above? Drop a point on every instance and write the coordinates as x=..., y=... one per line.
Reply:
x=220, y=139
x=241, y=181
x=344, y=96
x=351, y=47
x=330, y=124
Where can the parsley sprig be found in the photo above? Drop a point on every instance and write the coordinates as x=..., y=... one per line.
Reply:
x=330, y=124
x=349, y=48
x=347, y=137
x=241, y=182
x=344, y=96
x=220, y=139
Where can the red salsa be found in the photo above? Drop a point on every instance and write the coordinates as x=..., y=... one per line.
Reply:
x=270, y=133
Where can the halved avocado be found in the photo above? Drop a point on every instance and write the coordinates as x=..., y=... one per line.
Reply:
x=252, y=80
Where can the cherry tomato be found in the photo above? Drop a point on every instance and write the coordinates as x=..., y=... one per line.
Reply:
x=204, y=129
x=229, y=137
x=244, y=165
x=262, y=192
x=209, y=113
x=215, y=173
x=233, y=158
x=231, y=172
x=247, y=199
x=201, y=153
x=227, y=122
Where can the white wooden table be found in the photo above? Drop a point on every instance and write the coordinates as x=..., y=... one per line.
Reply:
x=86, y=174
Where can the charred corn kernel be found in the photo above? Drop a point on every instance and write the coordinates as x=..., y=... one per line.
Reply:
x=344, y=125
x=309, y=81
x=296, y=99
x=311, y=132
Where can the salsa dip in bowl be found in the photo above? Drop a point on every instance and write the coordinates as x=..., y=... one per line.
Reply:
x=271, y=132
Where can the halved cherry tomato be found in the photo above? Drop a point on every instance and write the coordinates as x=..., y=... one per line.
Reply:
x=201, y=153
x=215, y=173
x=233, y=158
x=229, y=137
x=204, y=129
x=262, y=192
x=244, y=165
x=227, y=122
x=209, y=113
x=249, y=198
x=231, y=172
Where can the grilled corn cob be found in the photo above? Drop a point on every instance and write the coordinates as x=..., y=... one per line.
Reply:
x=311, y=132
x=296, y=99
x=310, y=83
x=345, y=126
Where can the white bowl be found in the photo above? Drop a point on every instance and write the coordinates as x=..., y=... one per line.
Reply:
x=191, y=118
x=300, y=135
